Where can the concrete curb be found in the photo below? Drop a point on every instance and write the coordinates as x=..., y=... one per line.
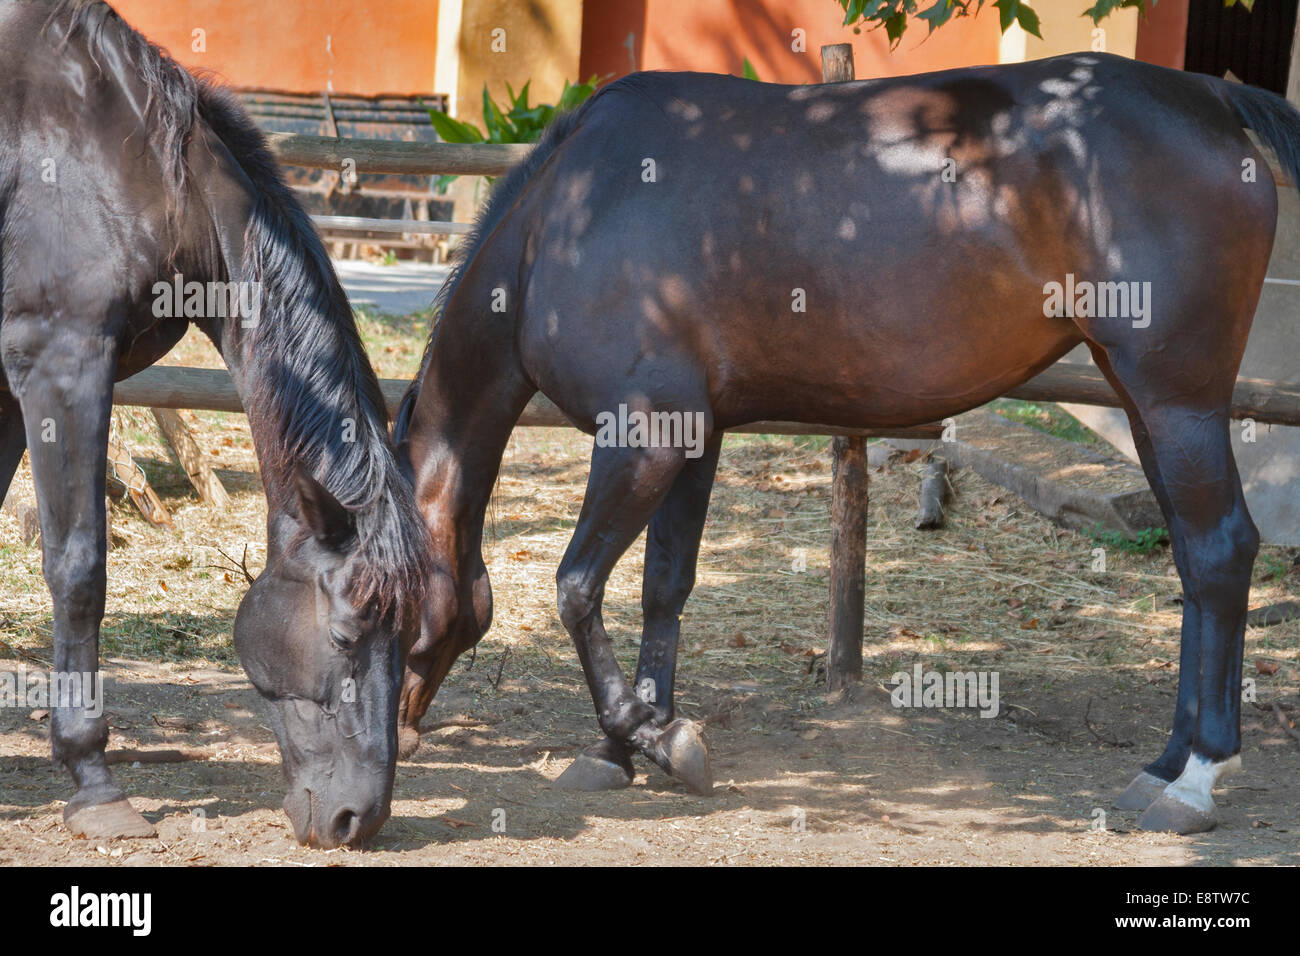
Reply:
x=1082, y=489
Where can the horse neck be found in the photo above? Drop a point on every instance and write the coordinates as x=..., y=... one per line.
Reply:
x=472, y=392
x=299, y=366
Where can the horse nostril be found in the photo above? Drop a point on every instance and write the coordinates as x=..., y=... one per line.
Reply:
x=345, y=827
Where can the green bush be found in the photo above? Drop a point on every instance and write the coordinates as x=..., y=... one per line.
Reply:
x=517, y=123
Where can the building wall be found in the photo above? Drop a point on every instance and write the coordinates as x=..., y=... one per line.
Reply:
x=715, y=36
x=1162, y=34
x=1066, y=30
x=542, y=41
x=304, y=46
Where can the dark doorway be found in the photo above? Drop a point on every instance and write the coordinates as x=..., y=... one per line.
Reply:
x=1255, y=45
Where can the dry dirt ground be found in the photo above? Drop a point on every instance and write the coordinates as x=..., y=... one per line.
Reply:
x=1086, y=661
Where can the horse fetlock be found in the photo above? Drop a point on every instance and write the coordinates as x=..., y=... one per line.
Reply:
x=77, y=739
x=408, y=742
x=624, y=719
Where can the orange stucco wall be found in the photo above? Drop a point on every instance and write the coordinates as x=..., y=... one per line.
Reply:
x=1162, y=34
x=349, y=46
x=717, y=37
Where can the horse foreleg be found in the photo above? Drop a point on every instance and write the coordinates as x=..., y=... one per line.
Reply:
x=625, y=487
x=12, y=441
x=65, y=385
x=671, y=553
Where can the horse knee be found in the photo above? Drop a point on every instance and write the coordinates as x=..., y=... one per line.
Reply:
x=575, y=597
x=75, y=572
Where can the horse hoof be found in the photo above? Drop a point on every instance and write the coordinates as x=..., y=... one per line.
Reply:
x=106, y=821
x=408, y=742
x=593, y=773
x=1169, y=814
x=686, y=755
x=1142, y=792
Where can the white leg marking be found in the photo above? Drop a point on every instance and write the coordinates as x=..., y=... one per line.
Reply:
x=1199, y=778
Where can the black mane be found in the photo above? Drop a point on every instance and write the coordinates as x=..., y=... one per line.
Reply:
x=313, y=399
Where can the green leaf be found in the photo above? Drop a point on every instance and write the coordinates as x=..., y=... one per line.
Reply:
x=453, y=131
x=1028, y=20
x=1006, y=13
x=894, y=28
x=747, y=70
x=1100, y=10
x=498, y=127
x=938, y=14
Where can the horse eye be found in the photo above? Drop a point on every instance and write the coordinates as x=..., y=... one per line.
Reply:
x=345, y=643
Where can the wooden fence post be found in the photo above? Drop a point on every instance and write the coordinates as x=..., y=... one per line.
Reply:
x=848, y=501
x=848, y=560
x=837, y=62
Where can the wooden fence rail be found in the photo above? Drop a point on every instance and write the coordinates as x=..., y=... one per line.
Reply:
x=384, y=156
x=212, y=389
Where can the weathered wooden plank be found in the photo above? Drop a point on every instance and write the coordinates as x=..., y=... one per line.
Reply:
x=191, y=457
x=384, y=156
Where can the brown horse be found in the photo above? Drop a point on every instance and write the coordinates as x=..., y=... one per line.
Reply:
x=870, y=254
x=118, y=173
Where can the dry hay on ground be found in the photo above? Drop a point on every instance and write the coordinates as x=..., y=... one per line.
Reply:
x=1087, y=663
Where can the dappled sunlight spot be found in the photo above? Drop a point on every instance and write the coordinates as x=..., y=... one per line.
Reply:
x=687, y=111
x=675, y=292
x=820, y=112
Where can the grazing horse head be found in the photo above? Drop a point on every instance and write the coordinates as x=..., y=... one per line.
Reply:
x=182, y=188
x=328, y=665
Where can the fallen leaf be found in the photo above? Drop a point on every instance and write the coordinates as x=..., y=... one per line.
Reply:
x=737, y=640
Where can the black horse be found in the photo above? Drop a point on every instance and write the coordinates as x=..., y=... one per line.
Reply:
x=118, y=173
x=871, y=254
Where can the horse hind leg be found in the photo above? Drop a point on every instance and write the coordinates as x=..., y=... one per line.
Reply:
x=1150, y=782
x=672, y=549
x=64, y=385
x=1214, y=544
x=625, y=487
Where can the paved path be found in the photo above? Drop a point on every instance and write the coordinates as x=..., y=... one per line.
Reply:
x=397, y=289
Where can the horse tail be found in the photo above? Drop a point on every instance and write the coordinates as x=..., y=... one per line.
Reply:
x=1274, y=120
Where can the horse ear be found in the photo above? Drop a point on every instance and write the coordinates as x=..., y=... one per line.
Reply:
x=330, y=523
